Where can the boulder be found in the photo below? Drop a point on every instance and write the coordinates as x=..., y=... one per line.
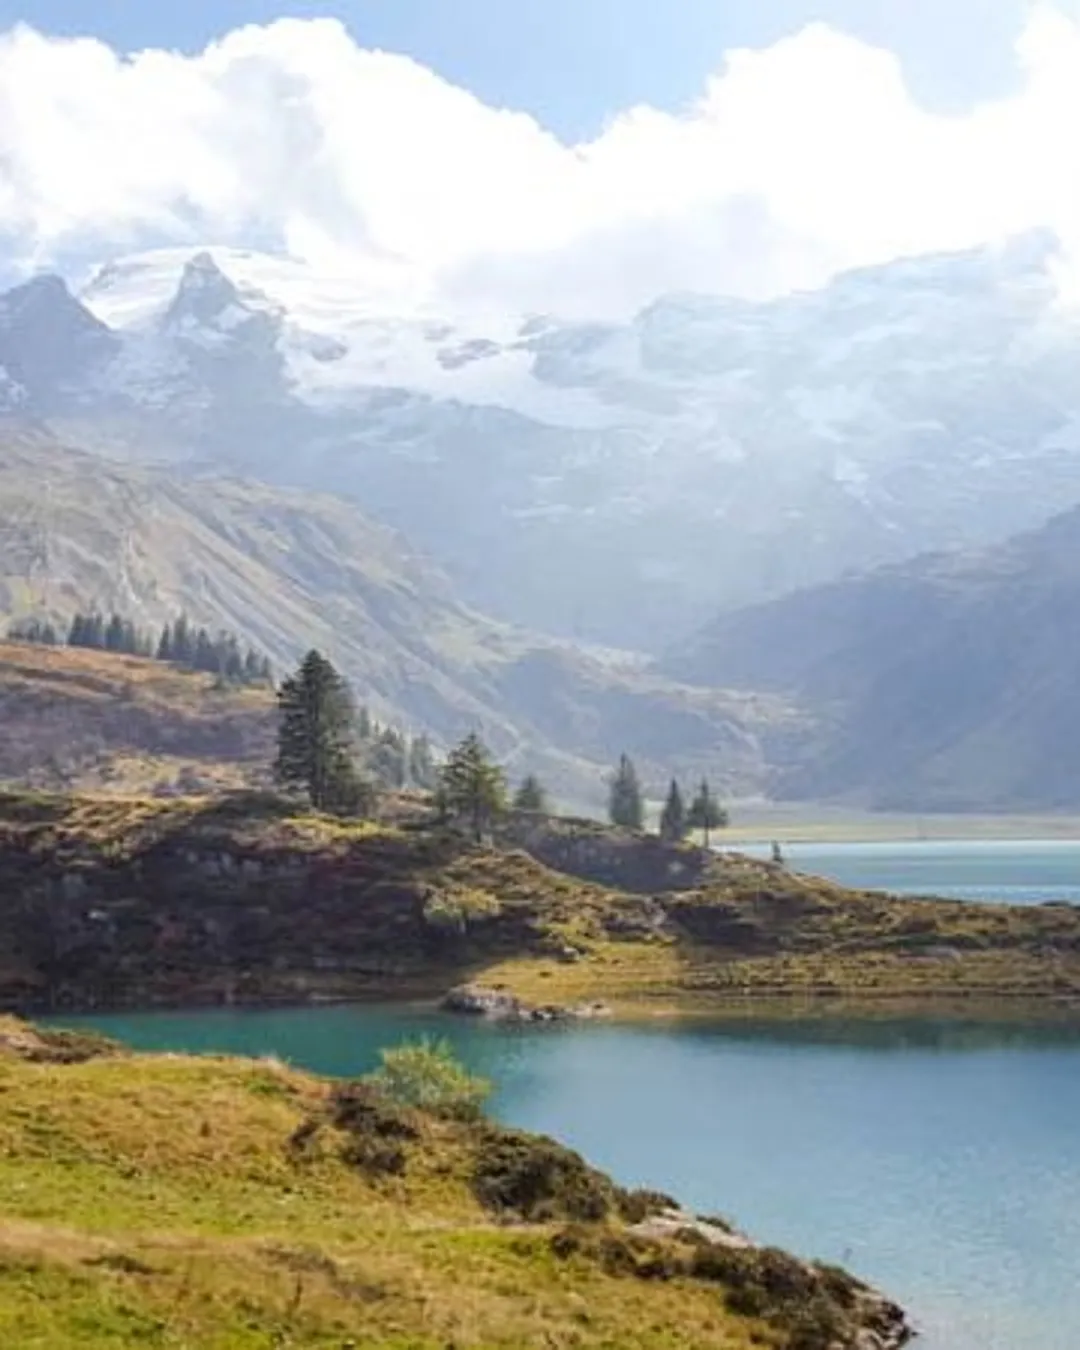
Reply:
x=473, y=1000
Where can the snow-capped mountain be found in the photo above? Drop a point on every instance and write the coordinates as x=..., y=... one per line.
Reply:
x=611, y=481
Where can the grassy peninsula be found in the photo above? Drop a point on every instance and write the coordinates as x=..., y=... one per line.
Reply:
x=115, y=891
x=138, y=902
x=221, y=1204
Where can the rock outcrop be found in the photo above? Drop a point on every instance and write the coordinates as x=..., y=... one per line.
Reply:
x=470, y=1000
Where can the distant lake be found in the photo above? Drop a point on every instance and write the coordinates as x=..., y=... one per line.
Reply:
x=941, y=1162
x=1022, y=872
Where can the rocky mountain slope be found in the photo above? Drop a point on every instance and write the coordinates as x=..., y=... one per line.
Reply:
x=951, y=682
x=287, y=571
x=613, y=482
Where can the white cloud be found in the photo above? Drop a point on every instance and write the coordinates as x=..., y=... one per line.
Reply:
x=798, y=160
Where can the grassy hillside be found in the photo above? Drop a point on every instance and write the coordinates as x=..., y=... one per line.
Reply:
x=946, y=683
x=288, y=571
x=291, y=1212
x=136, y=902
x=82, y=719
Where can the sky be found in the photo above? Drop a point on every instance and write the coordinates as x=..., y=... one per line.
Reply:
x=582, y=156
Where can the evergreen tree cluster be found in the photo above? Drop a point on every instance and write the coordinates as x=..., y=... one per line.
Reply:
x=336, y=753
x=393, y=759
x=626, y=806
x=317, y=739
x=704, y=813
x=184, y=645
x=472, y=786
x=179, y=643
x=34, y=630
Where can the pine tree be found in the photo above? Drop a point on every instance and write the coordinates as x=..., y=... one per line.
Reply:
x=183, y=642
x=165, y=644
x=231, y=663
x=95, y=632
x=388, y=759
x=365, y=728
x=113, y=639
x=706, y=813
x=473, y=785
x=673, y=825
x=422, y=772
x=33, y=630
x=203, y=655
x=626, y=806
x=531, y=796
x=77, y=632
x=315, y=737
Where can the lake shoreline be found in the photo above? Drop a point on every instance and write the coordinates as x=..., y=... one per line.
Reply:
x=191, y=904
x=1003, y=1009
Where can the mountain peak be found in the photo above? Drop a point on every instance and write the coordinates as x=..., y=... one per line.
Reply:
x=206, y=297
x=47, y=294
x=48, y=336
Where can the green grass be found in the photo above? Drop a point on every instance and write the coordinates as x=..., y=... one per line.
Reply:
x=164, y=1201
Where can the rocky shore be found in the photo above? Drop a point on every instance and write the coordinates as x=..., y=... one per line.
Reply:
x=882, y=1324
x=499, y=1005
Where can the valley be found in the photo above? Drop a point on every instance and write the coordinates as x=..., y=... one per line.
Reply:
x=539, y=676
x=286, y=571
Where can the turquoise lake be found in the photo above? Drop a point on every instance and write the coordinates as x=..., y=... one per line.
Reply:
x=1021, y=872
x=938, y=1160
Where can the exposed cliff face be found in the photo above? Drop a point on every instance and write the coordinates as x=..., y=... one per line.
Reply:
x=640, y=863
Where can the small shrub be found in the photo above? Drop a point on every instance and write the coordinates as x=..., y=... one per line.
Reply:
x=427, y=1075
x=809, y=1304
x=454, y=911
x=616, y=1253
x=637, y=1206
x=539, y=1179
x=361, y=1109
x=376, y=1157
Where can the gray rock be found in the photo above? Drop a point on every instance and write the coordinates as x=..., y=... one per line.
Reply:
x=73, y=886
x=477, y=1001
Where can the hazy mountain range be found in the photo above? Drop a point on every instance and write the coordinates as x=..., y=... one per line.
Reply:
x=615, y=484
x=612, y=483
x=950, y=682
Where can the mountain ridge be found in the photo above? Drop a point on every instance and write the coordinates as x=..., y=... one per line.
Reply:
x=947, y=682
x=608, y=482
x=286, y=570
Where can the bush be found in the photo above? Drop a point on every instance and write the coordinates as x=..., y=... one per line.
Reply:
x=538, y=1179
x=427, y=1075
x=375, y=1157
x=810, y=1304
x=639, y=1205
x=618, y=1253
x=454, y=910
